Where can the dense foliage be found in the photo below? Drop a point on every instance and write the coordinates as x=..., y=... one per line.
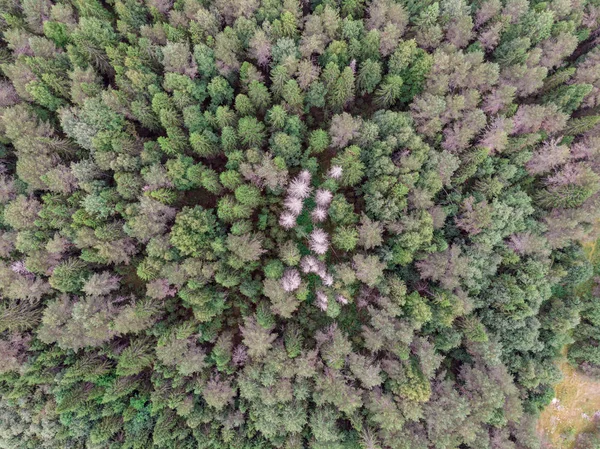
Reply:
x=584, y=352
x=332, y=224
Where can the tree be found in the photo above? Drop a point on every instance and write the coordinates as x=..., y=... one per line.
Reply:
x=287, y=147
x=446, y=267
x=217, y=393
x=370, y=233
x=475, y=218
x=412, y=65
x=69, y=276
x=548, y=156
x=257, y=339
x=101, y=284
x=247, y=248
x=369, y=76
x=178, y=58
x=390, y=18
x=352, y=166
x=251, y=131
x=185, y=354
x=389, y=91
x=22, y=212
x=196, y=233
x=343, y=129
x=137, y=356
x=345, y=238
x=369, y=269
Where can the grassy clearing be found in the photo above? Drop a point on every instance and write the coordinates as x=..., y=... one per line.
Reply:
x=577, y=396
x=577, y=399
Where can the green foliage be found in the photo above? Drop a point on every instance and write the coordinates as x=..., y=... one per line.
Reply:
x=389, y=91
x=251, y=131
x=318, y=141
x=279, y=224
x=369, y=76
x=69, y=276
x=196, y=233
x=345, y=238
x=248, y=195
x=353, y=168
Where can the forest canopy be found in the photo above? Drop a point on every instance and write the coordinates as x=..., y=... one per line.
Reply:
x=320, y=224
